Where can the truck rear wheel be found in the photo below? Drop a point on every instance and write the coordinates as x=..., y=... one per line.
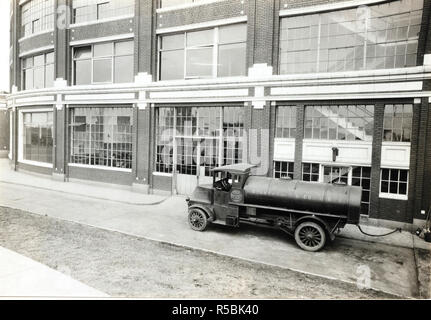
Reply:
x=310, y=236
x=198, y=220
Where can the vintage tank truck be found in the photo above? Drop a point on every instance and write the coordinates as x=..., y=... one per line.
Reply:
x=310, y=212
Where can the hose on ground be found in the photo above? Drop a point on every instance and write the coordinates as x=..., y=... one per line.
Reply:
x=378, y=235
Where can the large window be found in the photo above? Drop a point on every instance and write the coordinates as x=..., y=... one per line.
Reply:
x=37, y=16
x=93, y=10
x=198, y=138
x=38, y=71
x=361, y=177
x=285, y=122
x=394, y=183
x=369, y=37
x=310, y=172
x=218, y=52
x=103, y=63
x=397, y=125
x=283, y=169
x=339, y=122
x=37, y=131
x=101, y=137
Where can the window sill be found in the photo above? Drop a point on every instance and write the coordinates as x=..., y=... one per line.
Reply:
x=36, y=163
x=92, y=22
x=162, y=174
x=393, y=196
x=88, y=166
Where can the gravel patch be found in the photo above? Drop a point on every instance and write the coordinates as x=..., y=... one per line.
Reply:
x=126, y=266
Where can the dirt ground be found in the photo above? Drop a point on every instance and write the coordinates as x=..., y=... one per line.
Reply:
x=423, y=261
x=126, y=266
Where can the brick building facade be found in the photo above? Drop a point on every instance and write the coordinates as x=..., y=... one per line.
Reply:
x=152, y=94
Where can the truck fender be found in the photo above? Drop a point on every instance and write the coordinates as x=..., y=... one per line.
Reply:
x=208, y=211
x=317, y=220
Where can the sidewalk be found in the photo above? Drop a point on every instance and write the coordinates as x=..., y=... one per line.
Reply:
x=23, y=277
x=121, y=194
x=91, y=189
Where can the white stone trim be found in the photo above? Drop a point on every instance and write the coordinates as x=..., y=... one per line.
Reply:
x=199, y=93
x=162, y=174
x=209, y=24
x=186, y=5
x=350, y=88
x=36, y=51
x=97, y=97
x=427, y=59
x=328, y=7
x=87, y=23
x=87, y=166
x=395, y=155
x=102, y=39
x=393, y=196
x=35, y=99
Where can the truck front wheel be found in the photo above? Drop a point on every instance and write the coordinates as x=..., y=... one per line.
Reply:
x=198, y=220
x=310, y=236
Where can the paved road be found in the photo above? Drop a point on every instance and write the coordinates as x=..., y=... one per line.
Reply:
x=127, y=266
x=392, y=269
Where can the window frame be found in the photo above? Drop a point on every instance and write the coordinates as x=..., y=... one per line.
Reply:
x=215, y=45
x=337, y=125
x=403, y=118
x=289, y=173
x=21, y=136
x=222, y=137
x=44, y=67
x=367, y=61
x=90, y=133
x=394, y=196
x=35, y=11
x=93, y=15
x=92, y=58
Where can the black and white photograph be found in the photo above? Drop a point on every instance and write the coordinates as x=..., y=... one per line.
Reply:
x=195, y=151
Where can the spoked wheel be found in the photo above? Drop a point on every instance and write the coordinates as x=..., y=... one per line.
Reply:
x=197, y=219
x=310, y=236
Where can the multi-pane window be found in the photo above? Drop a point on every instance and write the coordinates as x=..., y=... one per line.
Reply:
x=110, y=62
x=339, y=122
x=336, y=174
x=368, y=37
x=394, y=182
x=101, y=136
x=397, y=123
x=285, y=122
x=38, y=71
x=283, y=169
x=198, y=138
x=93, y=10
x=217, y=52
x=37, y=16
x=361, y=177
x=310, y=171
x=38, y=142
